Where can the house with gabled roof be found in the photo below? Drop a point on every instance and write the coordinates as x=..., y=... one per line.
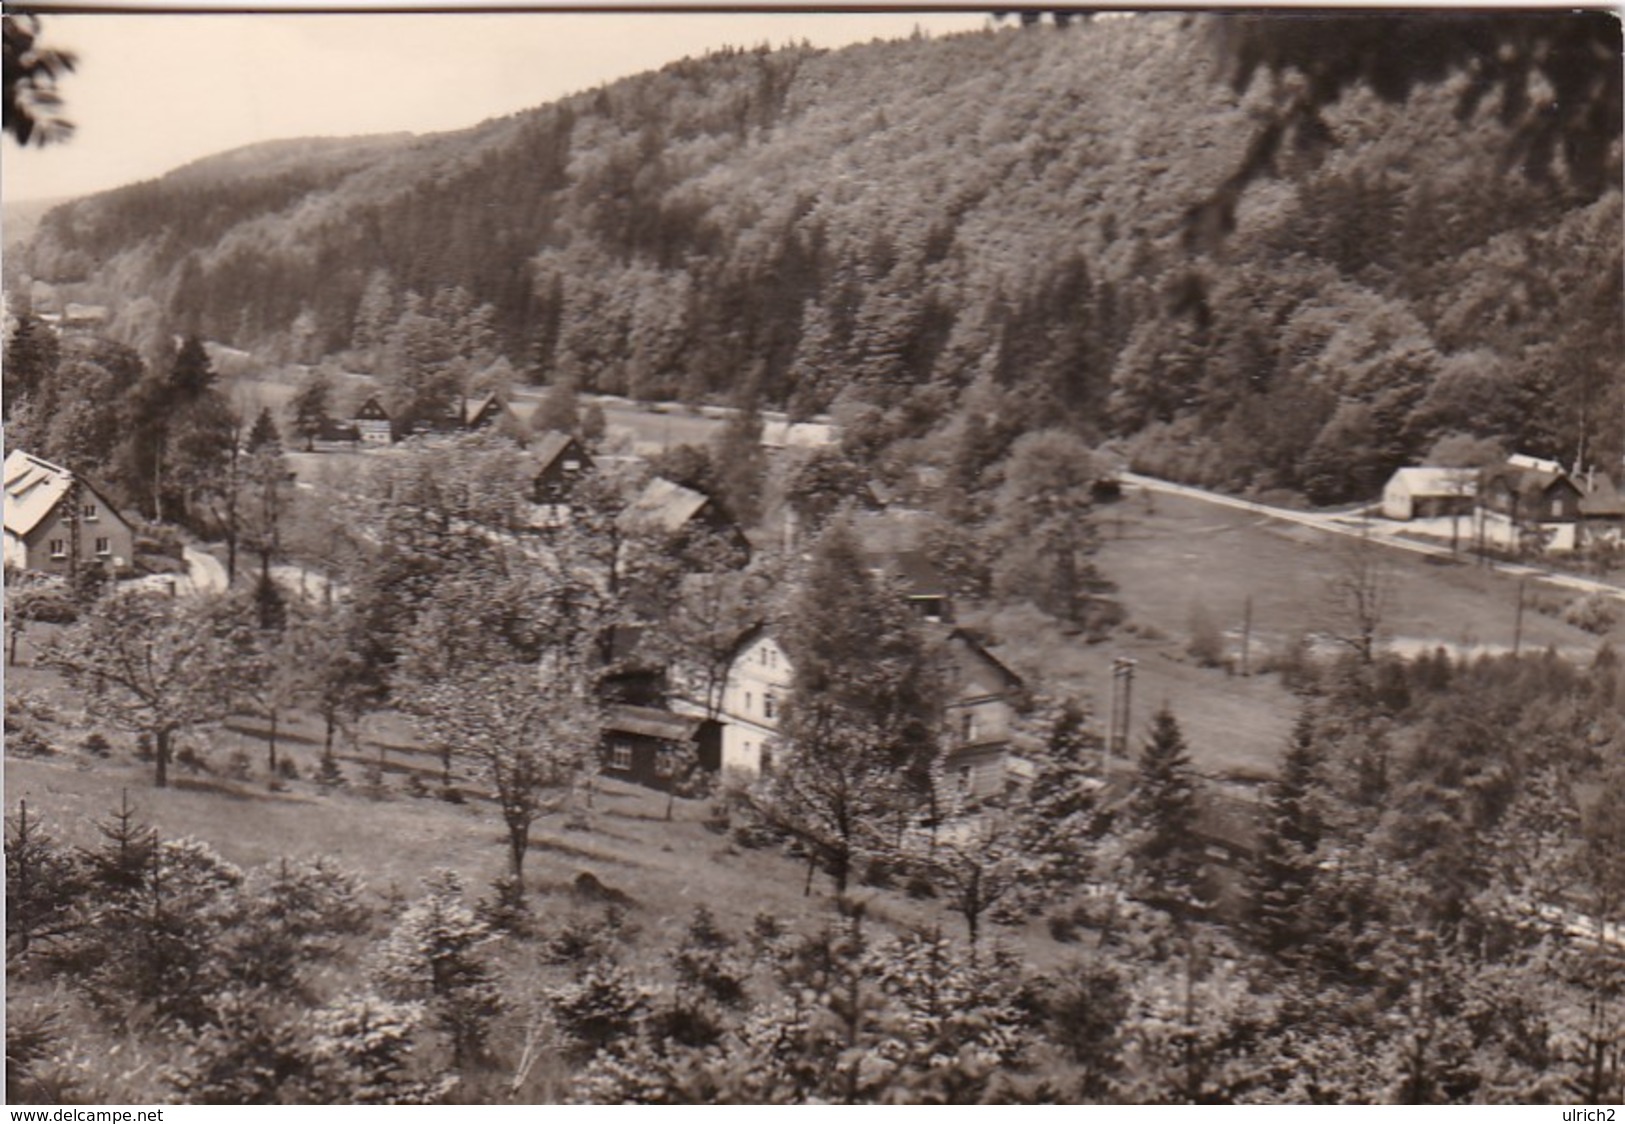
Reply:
x=682, y=514
x=557, y=461
x=1602, y=511
x=978, y=713
x=1530, y=504
x=373, y=422
x=56, y=522
x=484, y=411
x=918, y=580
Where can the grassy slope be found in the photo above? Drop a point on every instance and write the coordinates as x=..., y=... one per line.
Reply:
x=1177, y=553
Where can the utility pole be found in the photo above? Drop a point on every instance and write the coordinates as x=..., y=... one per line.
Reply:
x=1517, y=620
x=1246, y=633
x=1122, y=697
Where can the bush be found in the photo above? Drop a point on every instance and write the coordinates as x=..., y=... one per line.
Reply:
x=1206, y=645
x=1595, y=613
x=238, y=766
x=415, y=787
x=286, y=769
x=23, y=735
x=96, y=745
x=451, y=794
x=328, y=773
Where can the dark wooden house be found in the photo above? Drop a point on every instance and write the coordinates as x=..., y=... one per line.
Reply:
x=559, y=461
x=1536, y=500
x=657, y=748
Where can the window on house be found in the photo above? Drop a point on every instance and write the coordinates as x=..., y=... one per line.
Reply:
x=964, y=779
x=572, y=466
x=750, y=701
x=104, y=547
x=767, y=705
x=1557, y=506
x=59, y=548
x=967, y=727
x=620, y=756
x=88, y=513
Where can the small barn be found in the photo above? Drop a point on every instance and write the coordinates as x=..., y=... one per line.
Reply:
x=657, y=748
x=558, y=460
x=1430, y=493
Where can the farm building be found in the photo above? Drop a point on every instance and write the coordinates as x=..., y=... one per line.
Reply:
x=55, y=522
x=1430, y=493
x=1531, y=505
x=654, y=747
x=686, y=516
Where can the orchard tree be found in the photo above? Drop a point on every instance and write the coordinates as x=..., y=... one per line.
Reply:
x=154, y=666
x=527, y=740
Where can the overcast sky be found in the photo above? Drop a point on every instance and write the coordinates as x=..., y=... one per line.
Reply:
x=153, y=92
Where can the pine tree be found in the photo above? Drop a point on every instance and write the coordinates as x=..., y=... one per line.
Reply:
x=1283, y=875
x=432, y=956
x=1167, y=852
x=263, y=434
x=310, y=405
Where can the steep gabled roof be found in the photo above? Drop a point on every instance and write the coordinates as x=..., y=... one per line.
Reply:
x=549, y=447
x=662, y=504
x=33, y=489
x=1603, y=500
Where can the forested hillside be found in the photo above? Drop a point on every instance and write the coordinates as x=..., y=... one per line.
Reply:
x=916, y=233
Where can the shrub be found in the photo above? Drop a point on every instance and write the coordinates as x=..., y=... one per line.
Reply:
x=451, y=794
x=505, y=910
x=286, y=769
x=23, y=735
x=1206, y=644
x=328, y=773
x=1595, y=613
x=600, y=1008
x=238, y=766
x=96, y=745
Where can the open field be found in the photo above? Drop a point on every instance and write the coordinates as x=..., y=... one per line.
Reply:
x=1172, y=554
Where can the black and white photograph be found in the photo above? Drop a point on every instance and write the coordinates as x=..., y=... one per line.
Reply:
x=792, y=556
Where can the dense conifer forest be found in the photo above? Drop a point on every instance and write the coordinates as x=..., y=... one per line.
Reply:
x=909, y=232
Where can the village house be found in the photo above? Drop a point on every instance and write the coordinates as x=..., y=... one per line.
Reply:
x=921, y=584
x=656, y=748
x=1430, y=493
x=484, y=412
x=1602, y=512
x=372, y=421
x=1529, y=504
x=684, y=515
x=56, y=522
x=558, y=460
x=978, y=716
